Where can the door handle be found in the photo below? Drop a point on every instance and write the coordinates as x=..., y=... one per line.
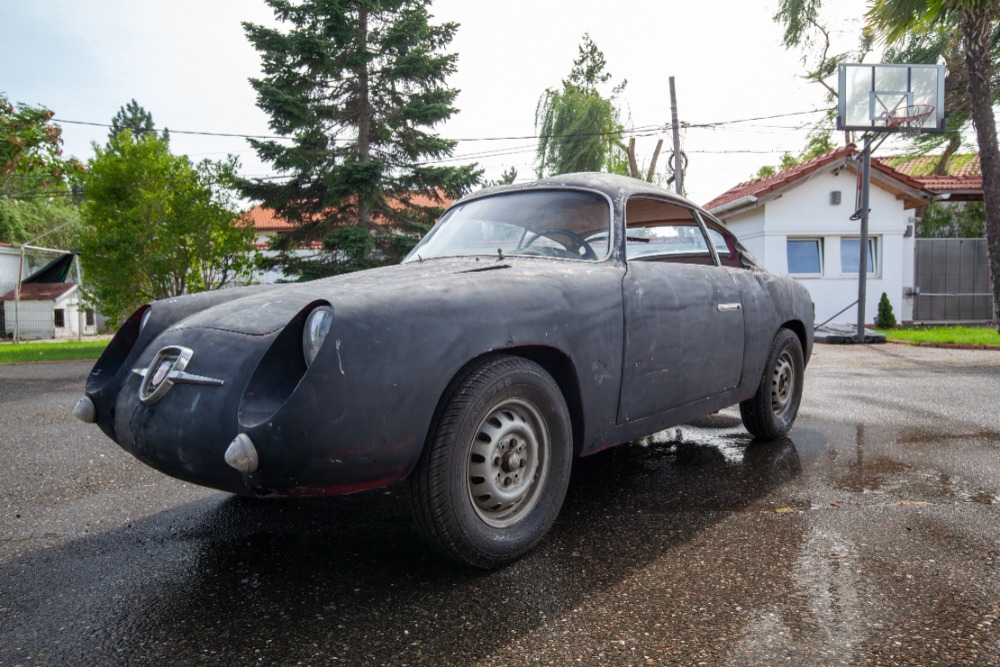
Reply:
x=729, y=307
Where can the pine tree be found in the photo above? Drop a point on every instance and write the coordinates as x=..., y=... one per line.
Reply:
x=355, y=86
x=134, y=118
x=885, y=319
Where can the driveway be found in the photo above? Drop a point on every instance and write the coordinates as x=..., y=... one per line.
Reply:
x=870, y=536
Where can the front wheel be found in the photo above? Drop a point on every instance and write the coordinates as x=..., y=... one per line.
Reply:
x=772, y=410
x=494, y=474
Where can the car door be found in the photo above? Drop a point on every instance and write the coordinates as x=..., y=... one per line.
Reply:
x=684, y=320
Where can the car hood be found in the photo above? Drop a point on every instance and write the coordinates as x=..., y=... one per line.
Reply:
x=261, y=312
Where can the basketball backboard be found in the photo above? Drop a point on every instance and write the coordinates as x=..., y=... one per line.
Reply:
x=882, y=97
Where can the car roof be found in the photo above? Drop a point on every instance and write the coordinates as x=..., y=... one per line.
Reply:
x=615, y=186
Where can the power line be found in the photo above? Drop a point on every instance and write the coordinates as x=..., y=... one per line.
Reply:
x=195, y=132
x=641, y=131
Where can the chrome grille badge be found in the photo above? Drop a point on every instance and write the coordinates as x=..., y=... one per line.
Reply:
x=166, y=370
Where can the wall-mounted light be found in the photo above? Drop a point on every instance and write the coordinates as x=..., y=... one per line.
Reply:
x=835, y=198
x=909, y=232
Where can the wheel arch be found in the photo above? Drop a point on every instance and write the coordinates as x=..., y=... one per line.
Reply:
x=555, y=362
x=563, y=371
x=799, y=329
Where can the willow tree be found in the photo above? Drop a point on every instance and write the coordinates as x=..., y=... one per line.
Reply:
x=355, y=88
x=893, y=20
x=578, y=126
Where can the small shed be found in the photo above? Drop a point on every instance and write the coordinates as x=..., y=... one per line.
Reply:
x=46, y=311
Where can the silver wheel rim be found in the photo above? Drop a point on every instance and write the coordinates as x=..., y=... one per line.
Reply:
x=508, y=463
x=782, y=384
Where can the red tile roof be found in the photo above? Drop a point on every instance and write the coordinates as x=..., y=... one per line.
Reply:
x=958, y=166
x=40, y=291
x=266, y=220
x=789, y=177
x=783, y=179
x=963, y=173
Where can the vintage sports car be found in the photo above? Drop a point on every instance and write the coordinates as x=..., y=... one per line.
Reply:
x=533, y=324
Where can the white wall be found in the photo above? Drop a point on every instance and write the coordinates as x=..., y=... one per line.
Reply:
x=272, y=276
x=805, y=211
x=75, y=317
x=10, y=258
x=33, y=319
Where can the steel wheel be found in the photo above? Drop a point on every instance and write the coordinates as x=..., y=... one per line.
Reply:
x=783, y=384
x=493, y=476
x=508, y=463
x=771, y=411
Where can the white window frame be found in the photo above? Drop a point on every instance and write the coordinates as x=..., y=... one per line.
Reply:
x=819, y=241
x=873, y=255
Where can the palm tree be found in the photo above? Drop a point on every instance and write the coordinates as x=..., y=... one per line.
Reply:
x=893, y=19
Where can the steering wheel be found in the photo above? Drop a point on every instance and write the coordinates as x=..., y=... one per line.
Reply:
x=588, y=251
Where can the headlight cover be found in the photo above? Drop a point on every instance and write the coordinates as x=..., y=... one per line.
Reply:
x=317, y=327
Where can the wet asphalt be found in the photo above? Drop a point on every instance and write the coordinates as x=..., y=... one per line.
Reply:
x=871, y=536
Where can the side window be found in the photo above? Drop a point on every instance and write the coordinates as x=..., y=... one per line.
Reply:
x=662, y=231
x=726, y=245
x=731, y=252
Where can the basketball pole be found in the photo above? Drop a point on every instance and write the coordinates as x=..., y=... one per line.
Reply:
x=866, y=169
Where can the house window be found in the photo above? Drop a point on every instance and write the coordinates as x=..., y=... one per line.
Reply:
x=850, y=255
x=89, y=317
x=60, y=317
x=805, y=257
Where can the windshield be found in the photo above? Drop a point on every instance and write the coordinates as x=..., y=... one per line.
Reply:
x=564, y=224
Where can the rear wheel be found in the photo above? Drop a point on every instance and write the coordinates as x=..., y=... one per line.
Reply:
x=493, y=477
x=772, y=410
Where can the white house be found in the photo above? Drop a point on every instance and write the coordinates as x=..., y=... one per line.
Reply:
x=45, y=311
x=10, y=260
x=798, y=223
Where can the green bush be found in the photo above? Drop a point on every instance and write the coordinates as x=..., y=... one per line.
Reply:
x=885, y=318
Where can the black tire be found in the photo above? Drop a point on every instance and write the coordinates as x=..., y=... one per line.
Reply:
x=494, y=473
x=772, y=410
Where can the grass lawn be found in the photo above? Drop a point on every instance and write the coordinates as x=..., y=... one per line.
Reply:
x=62, y=351
x=945, y=335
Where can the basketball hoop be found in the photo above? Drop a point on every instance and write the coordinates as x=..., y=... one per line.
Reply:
x=908, y=121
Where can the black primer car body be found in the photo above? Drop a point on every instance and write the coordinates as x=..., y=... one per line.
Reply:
x=533, y=324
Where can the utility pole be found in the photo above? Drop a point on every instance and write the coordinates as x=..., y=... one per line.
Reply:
x=678, y=159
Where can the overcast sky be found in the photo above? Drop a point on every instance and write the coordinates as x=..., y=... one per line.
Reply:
x=188, y=61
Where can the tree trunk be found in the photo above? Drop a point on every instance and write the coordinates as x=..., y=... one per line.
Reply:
x=652, y=163
x=976, y=30
x=941, y=168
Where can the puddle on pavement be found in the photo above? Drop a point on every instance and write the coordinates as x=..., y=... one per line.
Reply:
x=712, y=464
x=866, y=461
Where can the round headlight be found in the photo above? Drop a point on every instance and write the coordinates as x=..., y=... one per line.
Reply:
x=145, y=318
x=317, y=327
